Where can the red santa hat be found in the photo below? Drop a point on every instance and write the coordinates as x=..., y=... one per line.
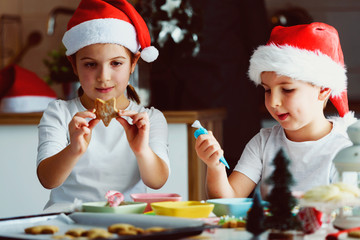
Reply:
x=309, y=52
x=108, y=21
x=26, y=91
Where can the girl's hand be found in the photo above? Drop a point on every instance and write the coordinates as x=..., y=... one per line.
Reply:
x=208, y=149
x=80, y=131
x=137, y=133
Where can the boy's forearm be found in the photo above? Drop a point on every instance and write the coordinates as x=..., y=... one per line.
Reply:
x=218, y=185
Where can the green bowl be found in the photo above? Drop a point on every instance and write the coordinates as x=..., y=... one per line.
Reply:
x=126, y=208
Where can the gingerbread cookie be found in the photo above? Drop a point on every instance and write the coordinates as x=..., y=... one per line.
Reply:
x=75, y=232
x=106, y=110
x=97, y=233
x=124, y=229
x=114, y=228
x=42, y=229
x=233, y=224
x=62, y=237
x=154, y=229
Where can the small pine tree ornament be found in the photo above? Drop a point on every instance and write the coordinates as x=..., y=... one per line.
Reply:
x=281, y=201
x=256, y=216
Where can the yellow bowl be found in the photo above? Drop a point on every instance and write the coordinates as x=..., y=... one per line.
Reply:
x=186, y=209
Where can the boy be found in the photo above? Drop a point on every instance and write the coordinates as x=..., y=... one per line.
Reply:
x=300, y=68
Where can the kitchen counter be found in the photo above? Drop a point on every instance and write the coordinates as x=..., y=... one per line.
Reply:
x=212, y=119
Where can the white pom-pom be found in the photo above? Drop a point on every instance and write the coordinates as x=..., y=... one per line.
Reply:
x=149, y=54
x=345, y=121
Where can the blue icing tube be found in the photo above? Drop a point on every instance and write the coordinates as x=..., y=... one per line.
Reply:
x=202, y=130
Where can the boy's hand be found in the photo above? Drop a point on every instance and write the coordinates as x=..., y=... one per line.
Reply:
x=137, y=133
x=80, y=131
x=208, y=149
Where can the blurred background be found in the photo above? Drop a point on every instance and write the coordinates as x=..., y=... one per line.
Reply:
x=205, y=46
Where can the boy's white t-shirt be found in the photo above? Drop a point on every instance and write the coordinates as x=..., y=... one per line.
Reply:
x=108, y=163
x=311, y=162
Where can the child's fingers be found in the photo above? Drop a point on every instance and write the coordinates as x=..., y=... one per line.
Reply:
x=77, y=123
x=79, y=118
x=86, y=114
x=128, y=113
x=140, y=119
x=85, y=130
x=205, y=140
x=93, y=122
x=200, y=140
x=214, y=156
x=211, y=149
x=208, y=148
x=124, y=123
x=141, y=124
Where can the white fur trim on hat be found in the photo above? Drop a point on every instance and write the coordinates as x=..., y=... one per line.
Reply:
x=105, y=30
x=23, y=104
x=300, y=64
x=345, y=121
x=149, y=54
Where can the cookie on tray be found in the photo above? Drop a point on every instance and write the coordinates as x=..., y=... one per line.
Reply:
x=63, y=237
x=154, y=229
x=124, y=229
x=97, y=233
x=42, y=229
x=75, y=232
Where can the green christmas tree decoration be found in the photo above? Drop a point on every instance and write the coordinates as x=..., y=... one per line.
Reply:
x=281, y=201
x=256, y=216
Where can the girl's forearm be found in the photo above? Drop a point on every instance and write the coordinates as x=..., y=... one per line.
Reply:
x=153, y=170
x=53, y=171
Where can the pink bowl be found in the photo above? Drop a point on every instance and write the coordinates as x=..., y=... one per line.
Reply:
x=154, y=197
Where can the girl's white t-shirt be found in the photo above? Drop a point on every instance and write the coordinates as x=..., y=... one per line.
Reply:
x=108, y=163
x=311, y=162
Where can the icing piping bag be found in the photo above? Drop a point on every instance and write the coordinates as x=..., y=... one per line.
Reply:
x=200, y=130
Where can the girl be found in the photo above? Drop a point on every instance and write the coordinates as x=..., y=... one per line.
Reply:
x=300, y=68
x=83, y=159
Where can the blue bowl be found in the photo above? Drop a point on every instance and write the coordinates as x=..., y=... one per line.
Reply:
x=237, y=207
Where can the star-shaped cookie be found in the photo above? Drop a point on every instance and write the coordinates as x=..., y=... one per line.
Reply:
x=106, y=110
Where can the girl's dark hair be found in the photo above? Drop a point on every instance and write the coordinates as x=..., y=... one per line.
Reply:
x=131, y=92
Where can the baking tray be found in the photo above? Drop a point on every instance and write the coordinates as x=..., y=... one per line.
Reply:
x=13, y=228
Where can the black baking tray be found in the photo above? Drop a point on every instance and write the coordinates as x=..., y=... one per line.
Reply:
x=13, y=228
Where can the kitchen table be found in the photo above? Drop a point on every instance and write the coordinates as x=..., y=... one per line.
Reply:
x=182, y=228
x=208, y=234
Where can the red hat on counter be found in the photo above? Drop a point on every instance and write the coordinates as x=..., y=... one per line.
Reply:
x=25, y=92
x=310, y=53
x=109, y=21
